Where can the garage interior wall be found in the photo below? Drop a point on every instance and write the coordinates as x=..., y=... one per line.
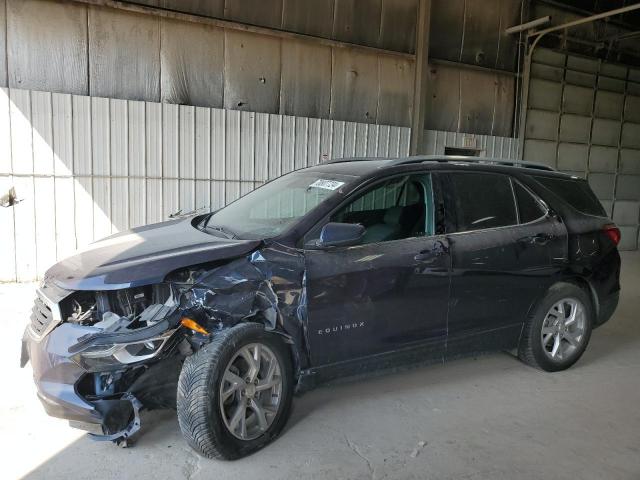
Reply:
x=583, y=118
x=86, y=167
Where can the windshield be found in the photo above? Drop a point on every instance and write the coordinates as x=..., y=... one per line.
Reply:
x=271, y=209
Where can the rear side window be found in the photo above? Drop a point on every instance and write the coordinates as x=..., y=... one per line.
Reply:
x=482, y=200
x=529, y=209
x=576, y=193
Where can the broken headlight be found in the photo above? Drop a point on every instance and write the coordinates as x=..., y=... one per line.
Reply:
x=110, y=357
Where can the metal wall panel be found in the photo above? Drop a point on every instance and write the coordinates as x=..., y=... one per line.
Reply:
x=252, y=72
x=192, y=63
x=86, y=167
x=315, y=19
x=124, y=55
x=436, y=141
x=3, y=44
x=354, y=86
x=47, y=47
x=398, y=25
x=266, y=13
x=211, y=8
x=395, y=99
x=306, y=79
x=357, y=21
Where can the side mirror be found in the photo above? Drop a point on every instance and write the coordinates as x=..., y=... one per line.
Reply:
x=335, y=234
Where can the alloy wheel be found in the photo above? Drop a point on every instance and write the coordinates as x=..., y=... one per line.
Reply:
x=563, y=329
x=251, y=391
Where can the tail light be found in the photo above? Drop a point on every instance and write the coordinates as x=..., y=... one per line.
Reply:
x=613, y=233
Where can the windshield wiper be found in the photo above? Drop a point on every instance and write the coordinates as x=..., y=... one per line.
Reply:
x=224, y=230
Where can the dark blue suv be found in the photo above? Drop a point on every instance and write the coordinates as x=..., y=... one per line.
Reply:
x=338, y=269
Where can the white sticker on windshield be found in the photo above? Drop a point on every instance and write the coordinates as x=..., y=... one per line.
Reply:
x=326, y=184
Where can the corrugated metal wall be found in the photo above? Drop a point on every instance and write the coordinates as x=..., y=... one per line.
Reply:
x=583, y=117
x=85, y=167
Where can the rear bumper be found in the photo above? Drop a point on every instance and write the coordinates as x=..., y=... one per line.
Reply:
x=608, y=306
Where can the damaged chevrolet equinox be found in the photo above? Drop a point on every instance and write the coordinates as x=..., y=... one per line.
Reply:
x=335, y=270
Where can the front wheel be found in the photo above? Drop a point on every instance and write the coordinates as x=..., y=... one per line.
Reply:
x=234, y=395
x=558, y=333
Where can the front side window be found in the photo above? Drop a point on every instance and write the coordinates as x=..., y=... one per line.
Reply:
x=481, y=201
x=401, y=207
x=269, y=210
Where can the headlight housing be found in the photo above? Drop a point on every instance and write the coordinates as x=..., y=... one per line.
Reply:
x=111, y=357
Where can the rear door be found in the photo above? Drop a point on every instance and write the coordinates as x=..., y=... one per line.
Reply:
x=500, y=236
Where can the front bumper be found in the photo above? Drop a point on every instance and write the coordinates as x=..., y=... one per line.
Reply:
x=57, y=377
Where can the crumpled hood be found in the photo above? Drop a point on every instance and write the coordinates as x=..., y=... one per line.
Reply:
x=143, y=256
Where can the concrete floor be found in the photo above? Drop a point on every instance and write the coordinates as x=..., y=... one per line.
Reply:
x=490, y=417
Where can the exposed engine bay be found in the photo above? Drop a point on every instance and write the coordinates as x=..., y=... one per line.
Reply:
x=122, y=350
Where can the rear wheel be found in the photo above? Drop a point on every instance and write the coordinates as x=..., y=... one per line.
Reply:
x=558, y=334
x=234, y=395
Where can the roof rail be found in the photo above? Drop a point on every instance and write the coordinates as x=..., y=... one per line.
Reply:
x=450, y=158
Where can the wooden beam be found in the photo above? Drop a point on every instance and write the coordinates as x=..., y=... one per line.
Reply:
x=421, y=76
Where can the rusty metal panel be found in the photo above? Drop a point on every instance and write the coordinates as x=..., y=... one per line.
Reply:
x=609, y=104
x=545, y=95
x=443, y=99
x=267, y=13
x=192, y=63
x=574, y=128
x=395, y=95
x=124, y=52
x=603, y=159
x=578, y=100
x=476, y=110
x=354, y=86
x=208, y=8
x=252, y=72
x=481, y=33
x=306, y=79
x=302, y=17
x=398, y=25
x=3, y=44
x=630, y=135
x=630, y=161
x=573, y=157
x=503, y=107
x=42, y=133
x=357, y=21
x=446, y=29
x=605, y=132
x=47, y=46
x=540, y=151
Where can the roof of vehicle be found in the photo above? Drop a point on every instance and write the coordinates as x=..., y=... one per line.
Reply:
x=360, y=166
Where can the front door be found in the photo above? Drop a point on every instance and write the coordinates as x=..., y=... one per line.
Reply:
x=389, y=293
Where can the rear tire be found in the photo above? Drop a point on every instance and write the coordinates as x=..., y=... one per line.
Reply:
x=228, y=405
x=556, y=336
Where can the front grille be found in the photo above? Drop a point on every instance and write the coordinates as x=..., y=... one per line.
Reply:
x=44, y=315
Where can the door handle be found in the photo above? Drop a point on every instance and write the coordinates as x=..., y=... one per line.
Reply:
x=537, y=239
x=438, y=249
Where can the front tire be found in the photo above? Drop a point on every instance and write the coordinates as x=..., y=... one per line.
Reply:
x=556, y=336
x=234, y=395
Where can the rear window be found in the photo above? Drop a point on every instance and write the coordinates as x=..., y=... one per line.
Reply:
x=482, y=200
x=576, y=193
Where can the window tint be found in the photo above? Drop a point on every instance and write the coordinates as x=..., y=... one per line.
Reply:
x=529, y=209
x=576, y=193
x=398, y=208
x=482, y=200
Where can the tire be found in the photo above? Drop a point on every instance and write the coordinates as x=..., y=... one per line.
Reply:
x=539, y=349
x=205, y=422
